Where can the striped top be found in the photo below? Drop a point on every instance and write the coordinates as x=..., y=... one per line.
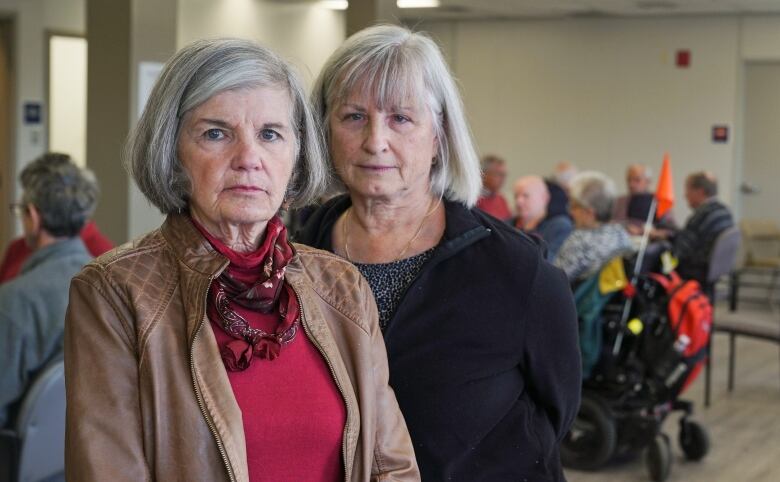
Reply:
x=693, y=244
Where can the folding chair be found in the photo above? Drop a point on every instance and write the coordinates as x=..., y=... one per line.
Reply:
x=34, y=449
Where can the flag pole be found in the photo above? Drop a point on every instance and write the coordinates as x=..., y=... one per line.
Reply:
x=634, y=276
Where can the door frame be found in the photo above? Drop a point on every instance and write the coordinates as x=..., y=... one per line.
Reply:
x=8, y=169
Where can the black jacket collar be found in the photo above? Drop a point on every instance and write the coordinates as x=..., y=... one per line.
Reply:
x=461, y=229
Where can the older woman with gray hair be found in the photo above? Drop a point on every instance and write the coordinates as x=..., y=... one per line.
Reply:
x=57, y=199
x=594, y=240
x=480, y=329
x=213, y=348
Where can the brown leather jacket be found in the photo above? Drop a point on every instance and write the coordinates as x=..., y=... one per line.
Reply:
x=148, y=397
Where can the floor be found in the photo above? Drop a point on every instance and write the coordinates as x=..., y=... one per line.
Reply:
x=743, y=426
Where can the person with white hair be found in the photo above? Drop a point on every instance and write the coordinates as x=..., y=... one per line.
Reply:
x=212, y=348
x=481, y=331
x=531, y=200
x=595, y=239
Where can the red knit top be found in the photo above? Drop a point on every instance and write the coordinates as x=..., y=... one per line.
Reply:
x=18, y=251
x=293, y=412
x=495, y=205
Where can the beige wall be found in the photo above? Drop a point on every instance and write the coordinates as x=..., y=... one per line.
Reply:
x=762, y=143
x=305, y=34
x=33, y=18
x=68, y=96
x=153, y=40
x=600, y=93
x=760, y=38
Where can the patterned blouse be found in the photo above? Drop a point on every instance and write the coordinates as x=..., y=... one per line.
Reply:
x=585, y=251
x=389, y=282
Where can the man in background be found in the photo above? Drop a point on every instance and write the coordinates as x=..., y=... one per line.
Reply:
x=531, y=200
x=638, y=178
x=558, y=187
x=493, y=175
x=692, y=245
x=58, y=198
x=632, y=209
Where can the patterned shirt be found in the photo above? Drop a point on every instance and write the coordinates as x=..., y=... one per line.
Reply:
x=389, y=282
x=585, y=251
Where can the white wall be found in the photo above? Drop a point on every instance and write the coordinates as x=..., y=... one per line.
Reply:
x=32, y=20
x=762, y=143
x=305, y=34
x=600, y=93
x=760, y=38
x=68, y=96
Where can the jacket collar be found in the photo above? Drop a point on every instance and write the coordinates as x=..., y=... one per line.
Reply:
x=66, y=247
x=190, y=247
x=460, y=228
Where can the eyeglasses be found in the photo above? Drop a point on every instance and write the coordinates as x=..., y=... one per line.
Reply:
x=18, y=209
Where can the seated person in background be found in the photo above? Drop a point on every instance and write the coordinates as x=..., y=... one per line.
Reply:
x=18, y=251
x=595, y=240
x=693, y=244
x=632, y=209
x=558, y=187
x=531, y=199
x=58, y=198
x=490, y=200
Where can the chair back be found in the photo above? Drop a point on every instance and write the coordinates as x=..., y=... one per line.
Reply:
x=40, y=426
x=724, y=254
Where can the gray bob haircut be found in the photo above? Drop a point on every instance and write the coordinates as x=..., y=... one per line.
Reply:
x=392, y=64
x=595, y=191
x=196, y=73
x=64, y=194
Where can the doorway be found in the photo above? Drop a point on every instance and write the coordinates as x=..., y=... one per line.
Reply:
x=67, y=95
x=761, y=165
x=7, y=171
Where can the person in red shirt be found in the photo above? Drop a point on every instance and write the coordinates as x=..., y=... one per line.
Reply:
x=18, y=251
x=493, y=175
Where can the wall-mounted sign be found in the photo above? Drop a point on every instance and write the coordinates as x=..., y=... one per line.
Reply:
x=720, y=134
x=683, y=58
x=32, y=112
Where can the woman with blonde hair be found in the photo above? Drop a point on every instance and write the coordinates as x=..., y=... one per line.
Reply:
x=480, y=329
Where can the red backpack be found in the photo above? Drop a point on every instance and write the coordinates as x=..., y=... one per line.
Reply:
x=690, y=317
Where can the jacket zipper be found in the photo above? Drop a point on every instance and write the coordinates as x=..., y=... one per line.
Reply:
x=316, y=342
x=199, y=397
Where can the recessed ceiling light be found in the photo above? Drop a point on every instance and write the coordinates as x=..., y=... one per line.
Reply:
x=417, y=3
x=335, y=4
x=656, y=4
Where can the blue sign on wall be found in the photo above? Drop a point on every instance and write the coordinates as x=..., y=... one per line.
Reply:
x=32, y=112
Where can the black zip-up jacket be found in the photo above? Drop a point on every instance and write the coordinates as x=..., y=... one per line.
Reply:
x=483, y=351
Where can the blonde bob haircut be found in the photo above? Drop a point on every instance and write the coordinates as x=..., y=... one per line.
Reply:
x=390, y=65
x=195, y=74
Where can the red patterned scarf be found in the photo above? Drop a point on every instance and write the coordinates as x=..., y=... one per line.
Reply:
x=254, y=282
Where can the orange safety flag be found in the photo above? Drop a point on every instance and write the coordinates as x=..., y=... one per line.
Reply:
x=664, y=193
